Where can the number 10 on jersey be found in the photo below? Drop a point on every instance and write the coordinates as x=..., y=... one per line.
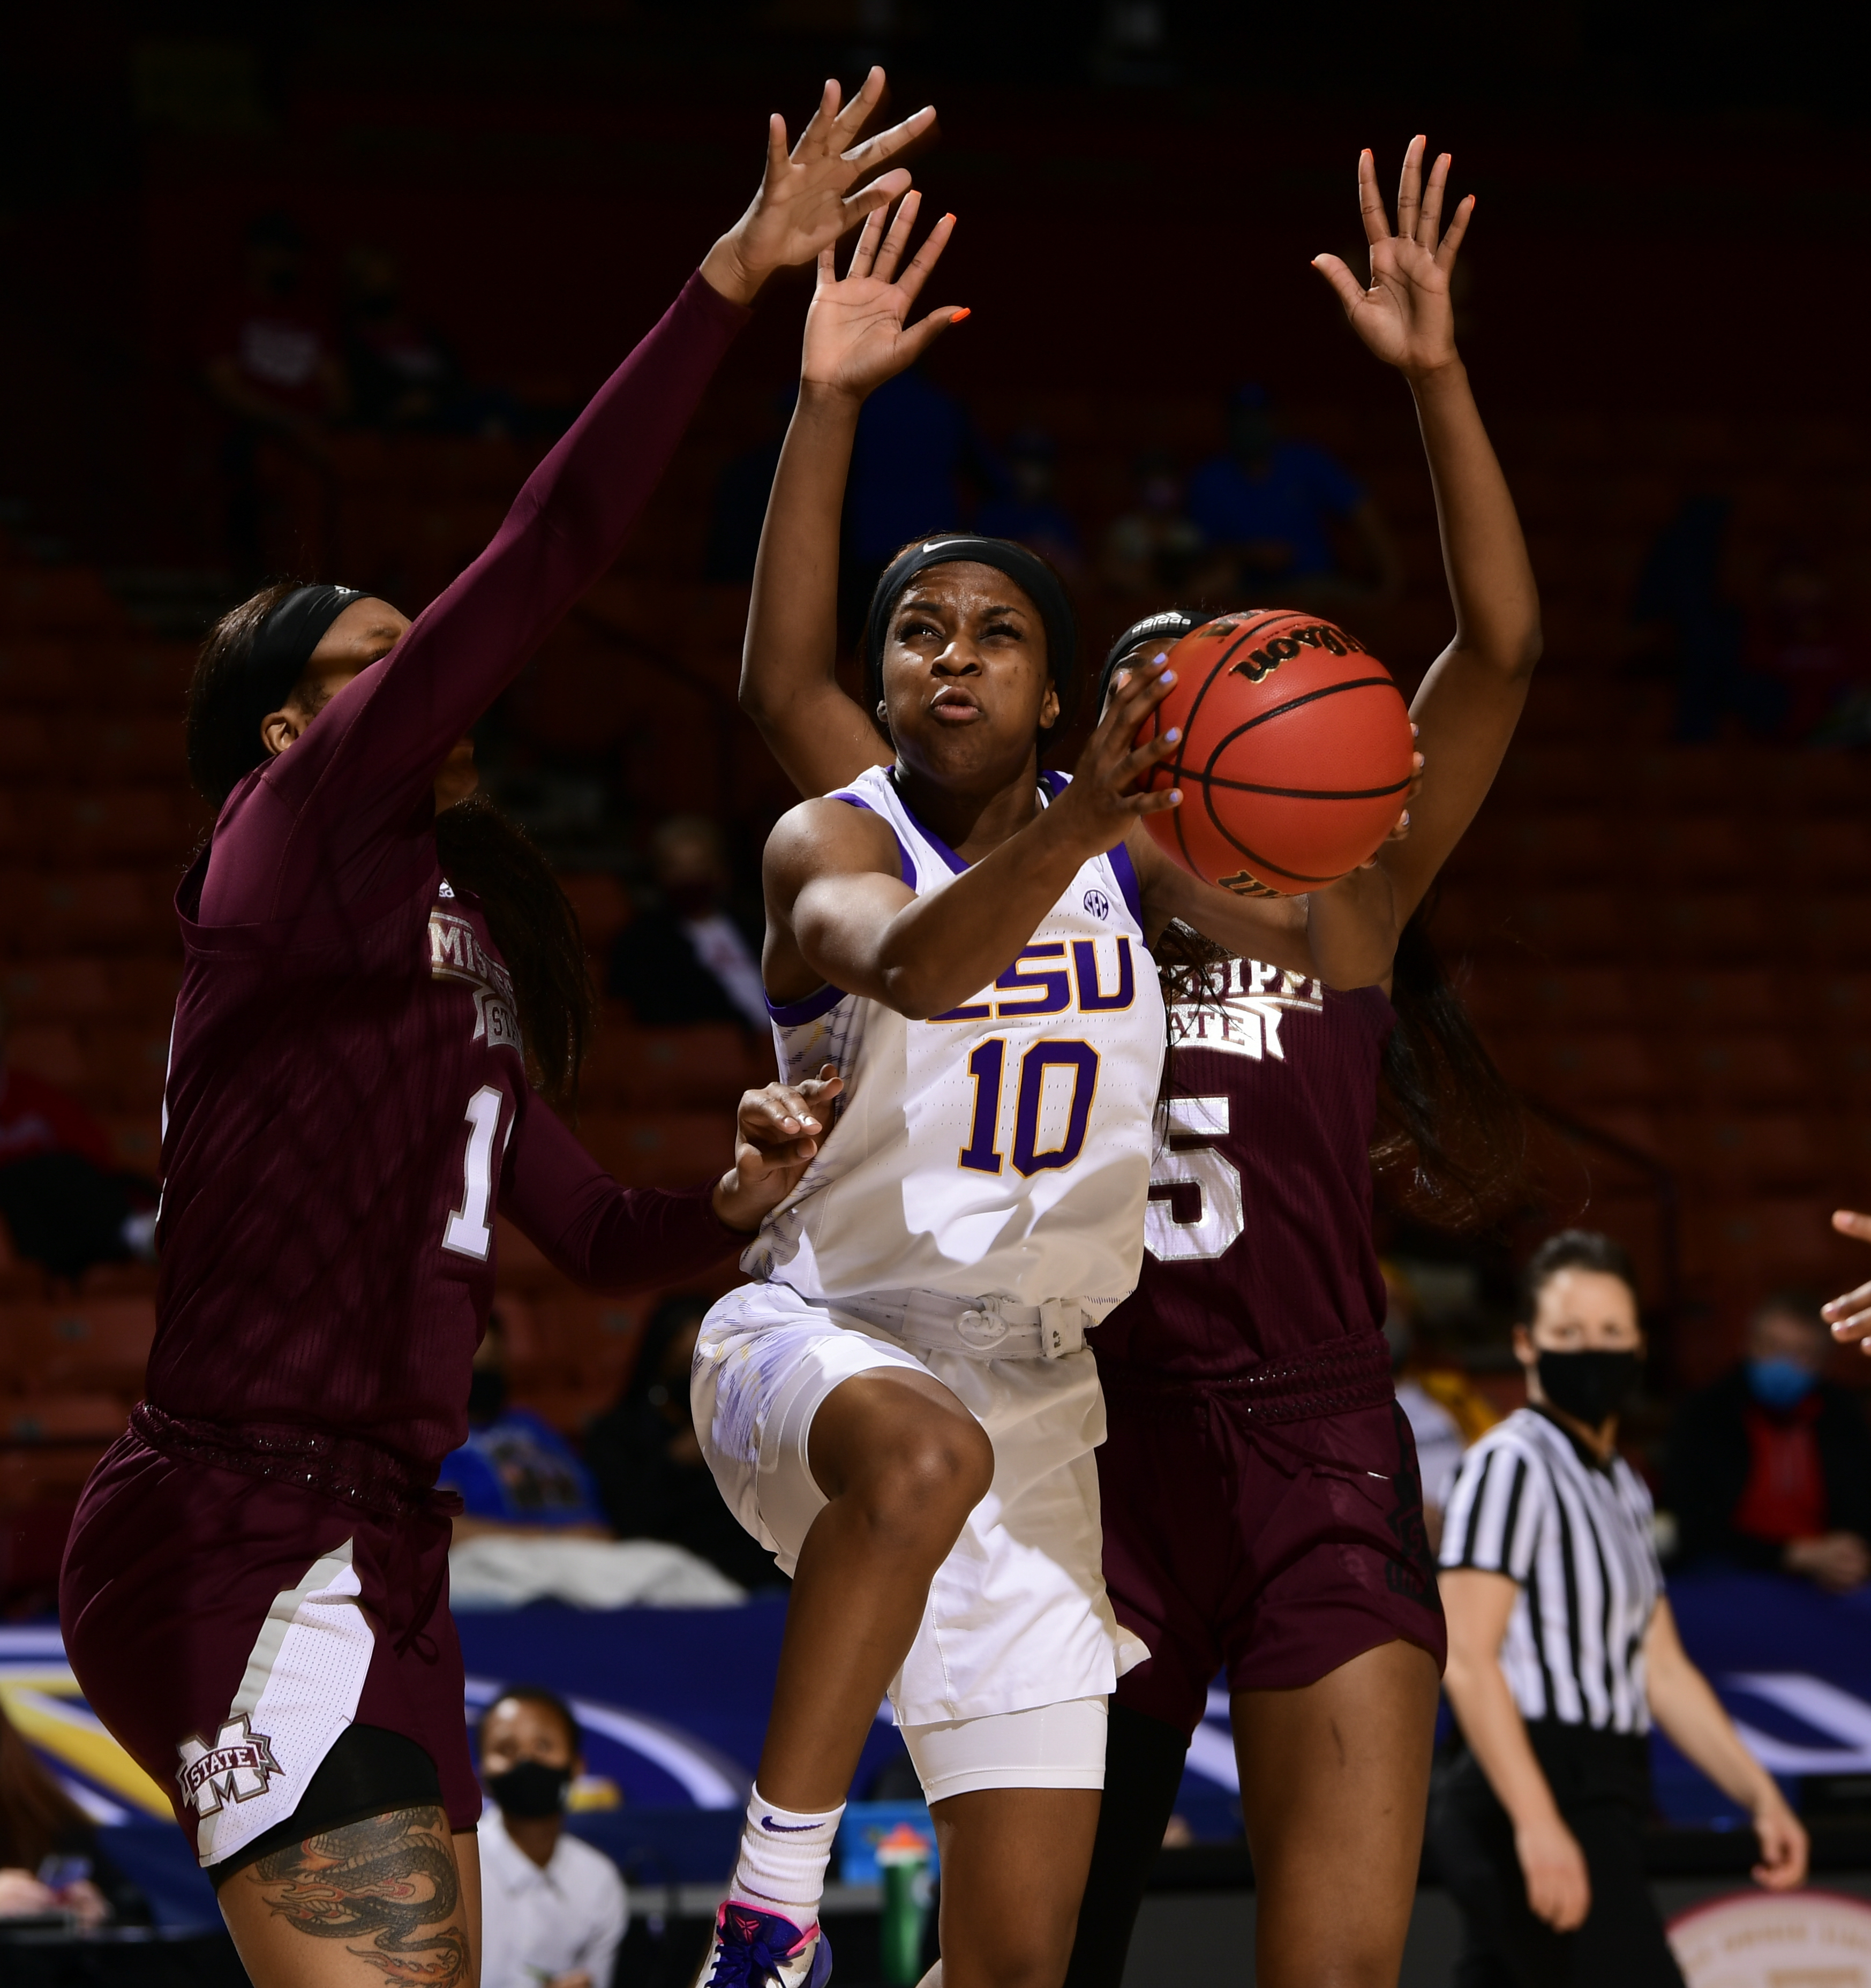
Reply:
x=1072, y=1069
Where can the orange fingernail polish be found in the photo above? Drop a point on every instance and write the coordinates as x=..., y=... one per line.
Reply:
x=948, y=217
x=955, y=317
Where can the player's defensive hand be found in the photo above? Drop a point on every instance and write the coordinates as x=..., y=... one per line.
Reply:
x=1783, y=1846
x=856, y=335
x=1558, y=1889
x=1405, y=316
x=806, y=200
x=1849, y=1316
x=775, y=1136
x=1105, y=801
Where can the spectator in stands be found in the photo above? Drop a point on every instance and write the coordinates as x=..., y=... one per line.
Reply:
x=648, y=1466
x=269, y=363
x=692, y=958
x=401, y=374
x=739, y=508
x=50, y=1858
x=1445, y=1411
x=1268, y=506
x=1801, y=642
x=553, y=1910
x=1155, y=547
x=1770, y=1467
x=1026, y=506
x=65, y=1202
x=1684, y=622
x=915, y=444
x=516, y=1473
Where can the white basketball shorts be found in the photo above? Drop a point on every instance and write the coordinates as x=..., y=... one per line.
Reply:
x=1017, y=1616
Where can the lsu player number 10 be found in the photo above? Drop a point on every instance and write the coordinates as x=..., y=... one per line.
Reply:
x=948, y=1172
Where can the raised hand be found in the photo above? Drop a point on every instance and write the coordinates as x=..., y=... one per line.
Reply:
x=1405, y=316
x=856, y=333
x=1107, y=797
x=805, y=201
x=1850, y=1316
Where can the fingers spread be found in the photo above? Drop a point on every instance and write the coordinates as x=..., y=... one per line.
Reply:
x=879, y=192
x=1346, y=286
x=851, y=119
x=925, y=258
x=816, y=138
x=887, y=144
x=863, y=251
x=1431, y=218
x=1409, y=187
x=1465, y=213
x=1370, y=201
x=891, y=253
x=776, y=150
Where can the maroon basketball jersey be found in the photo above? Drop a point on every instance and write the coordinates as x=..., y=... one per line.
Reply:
x=1258, y=1238
x=347, y=1100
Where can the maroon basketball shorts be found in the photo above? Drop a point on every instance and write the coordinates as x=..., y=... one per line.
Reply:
x=1274, y=1550
x=228, y=1629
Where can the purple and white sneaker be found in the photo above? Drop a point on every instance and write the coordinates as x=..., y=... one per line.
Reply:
x=756, y=1949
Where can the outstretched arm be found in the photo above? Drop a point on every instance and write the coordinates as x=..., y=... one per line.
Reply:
x=1470, y=701
x=617, y=1238
x=856, y=339
x=373, y=752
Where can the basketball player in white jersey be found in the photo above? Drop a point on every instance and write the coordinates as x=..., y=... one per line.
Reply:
x=903, y=1407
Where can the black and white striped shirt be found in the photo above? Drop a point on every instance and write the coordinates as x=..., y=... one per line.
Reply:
x=1529, y=1503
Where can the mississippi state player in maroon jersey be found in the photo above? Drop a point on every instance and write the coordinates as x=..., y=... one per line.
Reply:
x=1263, y=1511
x=375, y=982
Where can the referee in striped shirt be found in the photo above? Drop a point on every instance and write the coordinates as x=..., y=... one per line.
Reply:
x=1561, y=1650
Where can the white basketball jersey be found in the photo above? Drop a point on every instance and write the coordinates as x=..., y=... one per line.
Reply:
x=1002, y=1150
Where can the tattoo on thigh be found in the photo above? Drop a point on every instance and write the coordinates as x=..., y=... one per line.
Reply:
x=383, y=1880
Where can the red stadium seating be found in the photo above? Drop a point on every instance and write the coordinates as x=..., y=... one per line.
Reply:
x=710, y=1063
x=110, y=910
x=1753, y=1069
x=61, y=1418
x=101, y=1345
x=661, y=1148
x=1576, y=1072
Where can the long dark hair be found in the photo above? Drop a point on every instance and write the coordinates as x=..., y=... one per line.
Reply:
x=530, y=917
x=1451, y=1141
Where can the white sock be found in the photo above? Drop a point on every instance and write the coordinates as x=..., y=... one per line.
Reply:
x=783, y=1859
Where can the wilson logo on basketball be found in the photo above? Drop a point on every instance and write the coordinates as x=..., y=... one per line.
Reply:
x=1321, y=635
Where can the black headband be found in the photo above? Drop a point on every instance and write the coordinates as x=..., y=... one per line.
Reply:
x=1028, y=572
x=282, y=647
x=1173, y=622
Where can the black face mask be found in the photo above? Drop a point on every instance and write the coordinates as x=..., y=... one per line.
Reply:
x=530, y=1790
x=487, y=1394
x=1592, y=1387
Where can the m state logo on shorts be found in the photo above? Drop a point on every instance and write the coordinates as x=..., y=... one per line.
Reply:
x=235, y=1767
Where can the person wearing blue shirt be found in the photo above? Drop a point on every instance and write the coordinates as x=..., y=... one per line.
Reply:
x=515, y=1471
x=1267, y=506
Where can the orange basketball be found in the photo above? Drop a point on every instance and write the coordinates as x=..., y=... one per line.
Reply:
x=1295, y=756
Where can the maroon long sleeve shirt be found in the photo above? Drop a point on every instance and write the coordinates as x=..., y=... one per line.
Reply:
x=348, y=1100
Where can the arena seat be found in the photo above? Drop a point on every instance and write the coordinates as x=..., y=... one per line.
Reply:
x=111, y=910
x=602, y=904
x=1729, y=1153
x=1712, y=928
x=1823, y=850
x=706, y=1063
x=1545, y=848
x=51, y=1050
x=62, y=1418
x=126, y=1061
x=121, y=747
x=99, y=1346
x=1717, y=998
x=36, y=1472
x=669, y=1149
x=1574, y=1071
x=593, y=1339
x=66, y=600
x=1757, y=1068
x=1504, y=994
x=1833, y=929
x=1762, y=1240
x=1695, y=850
x=26, y=750
x=35, y=672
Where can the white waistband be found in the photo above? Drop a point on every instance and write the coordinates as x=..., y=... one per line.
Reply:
x=982, y=1328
